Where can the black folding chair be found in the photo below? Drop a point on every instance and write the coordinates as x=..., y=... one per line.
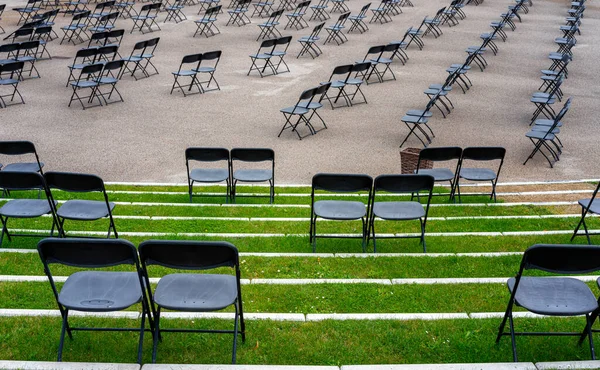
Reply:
x=358, y=21
x=335, y=31
x=340, y=210
x=146, y=18
x=76, y=30
x=440, y=154
x=206, y=26
x=83, y=58
x=201, y=292
x=309, y=43
x=31, y=8
x=296, y=18
x=20, y=148
x=187, y=72
x=24, y=208
x=252, y=156
x=13, y=72
x=301, y=111
x=92, y=290
x=479, y=154
x=553, y=295
x=238, y=15
x=2, y=7
x=269, y=27
x=263, y=56
x=382, y=12
x=79, y=209
x=589, y=205
x=319, y=11
x=87, y=80
x=416, y=119
x=263, y=7
x=400, y=210
x=544, y=100
x=208, y=175
x=212, y=58
x=110, y=77
x=433, y=24
x=375, y=56
x=175, y=11
x=339, y=6
x=280, y=51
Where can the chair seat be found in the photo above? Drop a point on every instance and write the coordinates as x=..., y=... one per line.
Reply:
x=84, y=209
x=9, y=81
x=294, y=110
x=354, y=81
x=340, y=209
x=100, y=291
x=312, y=105
x=253, y=175
x=594, y=207
x=554, y=296
x=546, y=122
x=414, y=119
x=23, y=167
x=184, y=73
x=419, y=112
x=134, y=58
x=209, y=174
x=107, y=80
x=439, y=174
x=398, y=210
x=539, y=134
x=477, y=174
x=205, y=69
x=84, y=84
x=260, y=56
x=25, y=208
x=543, y=100
x=196, y=292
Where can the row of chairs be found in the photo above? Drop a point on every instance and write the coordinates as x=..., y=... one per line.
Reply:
x=107, y=290
x=544, y=131
x=270, y=57
x=196, y=60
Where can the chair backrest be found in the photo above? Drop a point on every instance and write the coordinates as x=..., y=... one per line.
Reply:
x=9, y=48
x=375, y=50
x=113, y=64
x=275, y=16
x=85, y=53
x=18, y=180
x=139, y=46
x=307, y=95
x=98, y=36
x=189, y=255
x=87, y=253
x=203, y=154
x=285, y=40
x=360, y=67
x=564, y=110
x=484, y=153
x=439, y=154
x=213, y=10
x=403, y=183
x=107, y=50
x=116, y=34
x=317, y=30
x=346, y=183
x=17, y=147
x=562, y=258
x=210, y=55
x=192, y=58
x=79, y=16
x=321, y=90
x=341, y=70
x=29, y=45
x=342, y=19
x=252, y=154
x=22, y=32
x=152, y=42
x=74, y=182
x=11, y=67
x=267, y=44
x=364, y=10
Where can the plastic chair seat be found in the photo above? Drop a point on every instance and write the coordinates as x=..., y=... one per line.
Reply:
x=543, y=100
x=418, y=112
x=546, y=122
x=84, y=84
x=354, y=81
x=260, y=56
x=312, y=105
x=205, y=69
x=294, y=110
x=196, y=292
x=134, y=58
x=9, y=81
x=184, y=73
x=84, y=209
x=594, y=207
x=107, y=80
x=253, y=175
x=439, y=174
x=414, y=119
x=340, y=209
x=539, y=134
x=477, y=174
x=25, y=208
x=398, y=210
x=554, y=296
x=100, y=291
x=23, y=167
x=209, y=174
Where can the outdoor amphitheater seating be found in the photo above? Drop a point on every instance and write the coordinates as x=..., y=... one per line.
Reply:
x=555, y=296
x=263, y=7
x=319, y=11
x=400, y=210
x=269, y=27
x=105, y=22
x=91, y=290
x=358, y=21
x=238, y=15
x=432, y=25
x=440, y=154
x=589, y=205
x=11, y=74
x=335, y=31
x=175, y=11
x=212, y=59
x=415, y=123
x=24, y=208
x=247, y=159
x=81, y=209
x=76, y=30
x=206, y=26
x=2, y=7
x=299, y=113
x=20, y=148
x=296, y=18
x=309, y=43
x=339, y=210
x=190, y=292
x=207, y=4
x=206, y=175
x=479, y=154
x=146, y=18
x=110, y=77
x=262, y=59
x=87, y=81
x=141, y=56
x=382, y=12
x=339, y=6
x=31, y=8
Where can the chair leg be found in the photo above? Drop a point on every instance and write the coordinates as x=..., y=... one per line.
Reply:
x=235, y=334
x=579, y=224
x=156, y=334
x=423, y=236
x=63, y=329
x=512, y=337
x=141, y=342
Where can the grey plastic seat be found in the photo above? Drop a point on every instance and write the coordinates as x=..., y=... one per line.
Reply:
x=401, y=210
x=21, y=148
x=340, y=210
x=96, y=290
x=552, y=295
x=81, y=210
x=440, y=154
x=24, y=208
x=202, y=292
x=253, y=175
x=208, y=175
x=478, y=154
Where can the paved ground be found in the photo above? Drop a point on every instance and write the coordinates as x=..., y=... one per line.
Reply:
x=144, y=138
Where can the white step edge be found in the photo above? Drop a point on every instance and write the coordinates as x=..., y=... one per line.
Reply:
x=46, y=365
x=474, y=366
x=386, y=316
x=235, y=367
x=568, y=365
